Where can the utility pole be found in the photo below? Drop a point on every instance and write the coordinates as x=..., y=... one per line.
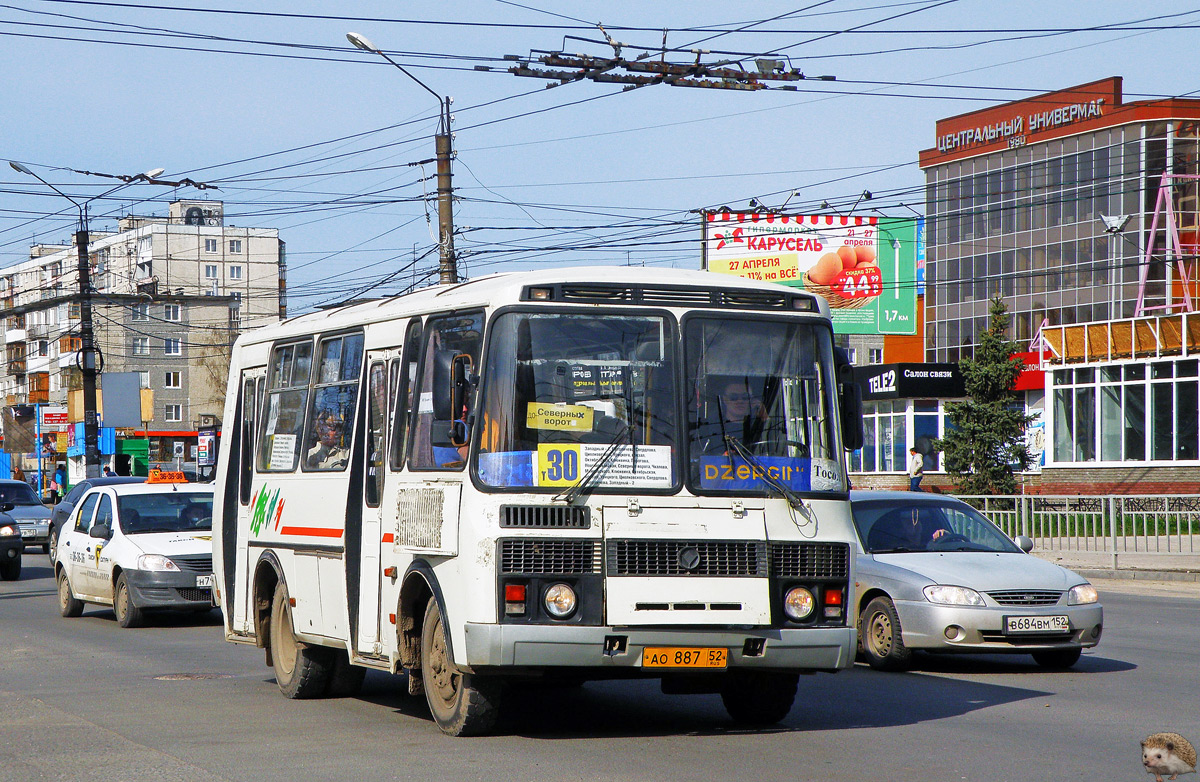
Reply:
x=447, y=262
x=443, y=144
x=87, y=359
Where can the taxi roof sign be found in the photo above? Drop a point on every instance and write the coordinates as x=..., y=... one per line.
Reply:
x=165, y=476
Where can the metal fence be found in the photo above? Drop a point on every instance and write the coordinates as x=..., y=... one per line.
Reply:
x=1116, y=525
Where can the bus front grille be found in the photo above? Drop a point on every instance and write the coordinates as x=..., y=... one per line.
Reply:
x=529, y=556
x=810, y=560
x=545, y=516
x=686, y=558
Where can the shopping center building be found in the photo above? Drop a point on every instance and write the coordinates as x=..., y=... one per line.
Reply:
x=1081, y=211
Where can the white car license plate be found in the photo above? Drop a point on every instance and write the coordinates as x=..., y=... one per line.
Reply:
x=28, y=533
x=1036, y=624
x=204, y=581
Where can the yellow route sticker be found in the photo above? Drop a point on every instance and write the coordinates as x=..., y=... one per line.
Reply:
x=558, y=464
x=572, y=418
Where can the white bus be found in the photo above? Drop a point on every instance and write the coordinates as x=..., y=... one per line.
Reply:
x=586, y=474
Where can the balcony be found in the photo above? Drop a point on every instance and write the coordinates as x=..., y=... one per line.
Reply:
x=39, y=397
x=16, y=366
x=14, y=335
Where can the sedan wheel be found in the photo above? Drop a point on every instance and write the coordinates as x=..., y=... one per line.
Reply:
x=52, y=546
x=882, y=642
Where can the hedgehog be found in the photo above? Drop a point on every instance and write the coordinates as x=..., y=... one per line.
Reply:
x=1168, y=753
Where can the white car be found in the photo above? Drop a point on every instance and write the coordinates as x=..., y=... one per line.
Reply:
x=136, y=547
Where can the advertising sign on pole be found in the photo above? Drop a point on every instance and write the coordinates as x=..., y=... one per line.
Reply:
x=865, y=267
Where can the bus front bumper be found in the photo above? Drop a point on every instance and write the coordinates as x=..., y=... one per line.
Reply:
x=557, y=646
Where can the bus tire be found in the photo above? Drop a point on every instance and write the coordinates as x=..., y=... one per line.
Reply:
x=301, y=671
x=758, y=697
x=68, y=606
x=345, y=679
x=128, y=614
x=461, y=704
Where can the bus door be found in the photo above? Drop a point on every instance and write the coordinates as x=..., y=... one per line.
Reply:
x=382, y=368
x=251, y=392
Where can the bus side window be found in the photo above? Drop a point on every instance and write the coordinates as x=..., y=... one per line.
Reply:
x=376, y=433
x=402, y=392
x=335, y=395
x=282, y=422
x=463, y=334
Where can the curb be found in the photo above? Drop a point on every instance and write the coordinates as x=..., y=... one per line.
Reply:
x=1139, y=575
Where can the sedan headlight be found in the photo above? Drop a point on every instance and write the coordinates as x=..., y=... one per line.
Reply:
x=952, y=595
x=155, y=562
x=9, y=529
x=1082, y=595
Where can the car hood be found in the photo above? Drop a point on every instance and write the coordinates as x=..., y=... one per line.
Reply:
x=173, y=543
x=984, y=571
x=29, y=513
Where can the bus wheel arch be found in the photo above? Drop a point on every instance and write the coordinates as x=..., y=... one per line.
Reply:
x=418, y=587
x=267, y=576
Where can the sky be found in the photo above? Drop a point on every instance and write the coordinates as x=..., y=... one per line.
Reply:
x=297, y=130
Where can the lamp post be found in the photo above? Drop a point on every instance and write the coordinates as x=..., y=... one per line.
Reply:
x=88, y=360
x=447, y=262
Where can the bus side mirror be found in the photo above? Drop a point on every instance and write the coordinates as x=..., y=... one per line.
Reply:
x=451, y=379
x=849, y=402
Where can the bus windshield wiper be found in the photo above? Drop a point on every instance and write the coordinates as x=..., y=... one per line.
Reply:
x=592, y=477
x=793, y=500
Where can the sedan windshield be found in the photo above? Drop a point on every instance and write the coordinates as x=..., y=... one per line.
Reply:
x=891, y=526
x=760, y=403
x=18, y=494
x=579, y=398
x=174, y=512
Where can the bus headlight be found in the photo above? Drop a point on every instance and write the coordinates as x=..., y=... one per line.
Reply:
x=560, y=601
x=798, y=603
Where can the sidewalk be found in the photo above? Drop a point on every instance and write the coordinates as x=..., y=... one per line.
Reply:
x=1134, y=565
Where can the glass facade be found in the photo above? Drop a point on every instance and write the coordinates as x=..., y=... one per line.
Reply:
x=891, y=427
x=1133, y=412
x=1025, y=224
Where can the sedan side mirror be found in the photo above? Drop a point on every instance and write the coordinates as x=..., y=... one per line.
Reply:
x=5, y=507
x=1024, y=543
x=100, y=531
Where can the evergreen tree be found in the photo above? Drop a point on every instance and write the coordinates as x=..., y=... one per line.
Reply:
x=987, y=440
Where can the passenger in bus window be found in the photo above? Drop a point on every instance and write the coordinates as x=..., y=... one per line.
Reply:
x=327, y=454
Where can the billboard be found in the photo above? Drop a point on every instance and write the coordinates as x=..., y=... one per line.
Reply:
x=865, y=267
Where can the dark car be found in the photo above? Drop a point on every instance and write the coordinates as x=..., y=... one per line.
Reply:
x=12, y=546
x=18, y=500
x=63, y=509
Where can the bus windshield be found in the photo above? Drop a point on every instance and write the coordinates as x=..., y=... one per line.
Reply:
x=760, y=406
x=571, y=397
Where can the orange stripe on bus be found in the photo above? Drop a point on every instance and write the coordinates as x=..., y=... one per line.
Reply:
x=388, y=538
x=312, y=532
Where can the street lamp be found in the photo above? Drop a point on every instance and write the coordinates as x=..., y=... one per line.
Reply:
x=87, y=360
x=447, y=265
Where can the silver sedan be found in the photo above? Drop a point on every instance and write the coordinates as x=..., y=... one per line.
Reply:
x=933, y=574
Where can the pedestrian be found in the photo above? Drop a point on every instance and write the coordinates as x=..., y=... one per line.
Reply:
x=18, y=474
x=108, y=472
x=60, y=478
x=916, y=469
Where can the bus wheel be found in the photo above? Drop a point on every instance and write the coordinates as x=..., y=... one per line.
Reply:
x=462, y=704
x=302, y=671
x=345, y=679
x=759, y=698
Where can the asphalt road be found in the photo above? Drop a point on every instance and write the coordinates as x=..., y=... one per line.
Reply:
x=82, y=699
